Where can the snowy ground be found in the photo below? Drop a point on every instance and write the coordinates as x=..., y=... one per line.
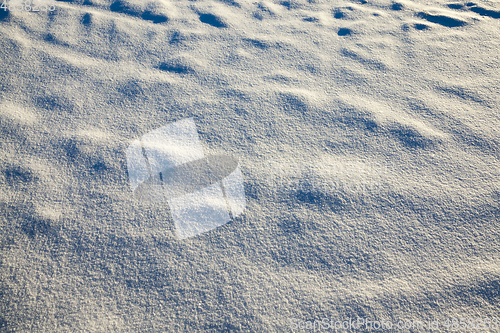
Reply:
x=367, y=133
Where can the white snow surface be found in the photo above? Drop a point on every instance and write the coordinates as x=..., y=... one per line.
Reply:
x=367, y=133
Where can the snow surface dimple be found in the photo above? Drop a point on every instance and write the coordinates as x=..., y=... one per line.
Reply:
x=344, y=32
x=87, y=19
x=483, y=11
x=443, y=20
x=213, y=20
x=128, y=8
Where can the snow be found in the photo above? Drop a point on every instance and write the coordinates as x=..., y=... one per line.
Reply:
x=367, y=134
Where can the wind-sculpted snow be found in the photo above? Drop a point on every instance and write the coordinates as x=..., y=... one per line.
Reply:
x=366, y=134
